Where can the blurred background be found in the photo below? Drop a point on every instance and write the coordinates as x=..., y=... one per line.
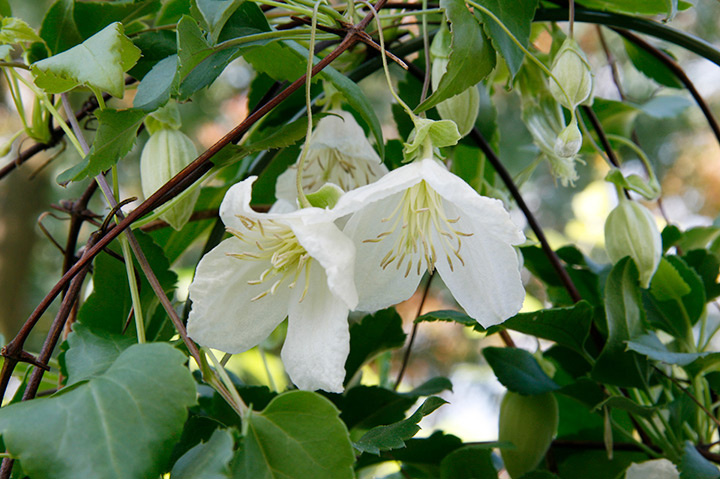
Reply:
x=677, y=140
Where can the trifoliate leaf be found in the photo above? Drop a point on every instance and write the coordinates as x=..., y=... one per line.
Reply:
x=99, y=63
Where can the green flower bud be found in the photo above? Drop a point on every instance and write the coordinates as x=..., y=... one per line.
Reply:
x=164, y=155
x=630, y=230
x=572, y=70
x=569, y=141
x=529, y=422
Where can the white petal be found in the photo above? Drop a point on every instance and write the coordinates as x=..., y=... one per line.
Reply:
x=223, y=315
x=285, y=187
x=379, y=288
x=336, y=254
x=345, y=135
x=237, y=201
x=318, y=340
x=488, y=212
x=655, y=469
x=488, y=286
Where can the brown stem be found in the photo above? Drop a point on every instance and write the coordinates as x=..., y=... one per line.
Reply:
x=196, y=216
x=406, y=356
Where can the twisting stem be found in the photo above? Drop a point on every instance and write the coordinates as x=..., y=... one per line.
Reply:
x=406, y=356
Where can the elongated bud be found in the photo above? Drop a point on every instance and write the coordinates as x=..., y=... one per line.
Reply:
x=164, y=155
x=462, y=108
x=569, y=141
x=572, y=70
x=630, y=230
x=529, y=422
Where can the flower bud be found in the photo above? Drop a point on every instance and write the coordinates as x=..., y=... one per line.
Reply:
x=569, y=141
x=164, y=155
x=572, y=70
x=462, y=108
x=630, y=230
x=529, y=422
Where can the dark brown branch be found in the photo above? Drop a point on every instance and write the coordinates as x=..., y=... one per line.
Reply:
x=196, y=216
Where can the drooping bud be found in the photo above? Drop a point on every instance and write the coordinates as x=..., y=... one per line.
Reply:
x=630, y=230
x=462, y=108
x=529, y=422
x=569, y=141
x=164, y=155
x=572, y=70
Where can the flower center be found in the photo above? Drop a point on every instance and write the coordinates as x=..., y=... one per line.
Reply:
x=336, y=167
x=419, y=213
x=277, y=245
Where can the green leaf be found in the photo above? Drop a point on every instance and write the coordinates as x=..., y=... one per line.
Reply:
x=155, y=47
x=665, y=106
x=517, y=17
x=91, y=17
x=5, y=9
x=99, y=63
x=59, y=29
x=472, y=57
x=15, y=30
x=297, y=436
x=121, y=424
x=626, y=404
x=698, y=237
x=171, y=12
x=215, y=13
x=90, y=353
x=637, y=7
x=116, y=135
x=385, y=438
x=694, y=466
x=707, y=266
x=208, y=460
x=449, y=316
x=156, y=87
x=650, y=346
x=518, y=371
x=667, y=284
x=651, y=67
x=469, y=462
x=649, y=190
x=625, y=316
x=568, y=327
x=672, y=312
x=376, y=333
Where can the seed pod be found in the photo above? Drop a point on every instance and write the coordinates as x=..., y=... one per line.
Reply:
x=462, y=108
x=572, y=70
x=630, y=230
x=529, y=422
x=164, y=155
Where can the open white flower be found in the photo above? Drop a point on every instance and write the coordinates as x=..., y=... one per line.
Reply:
x=338, y=153
x=298, y=265
x=422, y=217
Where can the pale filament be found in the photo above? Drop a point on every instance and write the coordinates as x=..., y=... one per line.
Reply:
x=419, y=213
x=277, y=245
x=324, y=165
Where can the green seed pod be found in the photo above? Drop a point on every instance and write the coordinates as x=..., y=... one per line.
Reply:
x=164, y=155
x=569, y=141
x=630, y=230
x=572, y=70
x=529, y=422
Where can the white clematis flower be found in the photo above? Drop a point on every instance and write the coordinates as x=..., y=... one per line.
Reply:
x=338, y=153
x=298, y=265
x=422, y=217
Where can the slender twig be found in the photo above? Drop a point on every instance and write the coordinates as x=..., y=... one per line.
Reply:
x=406, y=356
x=679, y=73
x=611, y=62
x=691, y=396
x=196, y=216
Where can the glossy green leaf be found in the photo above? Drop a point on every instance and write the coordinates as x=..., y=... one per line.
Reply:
x=116, y=135
x=625, y=316
x=651, y=67
x=99, y=63
x=469, y=462
x=59, y=29
x=297, y=436
x=472, y=57
x=393, y=436
x=673, y=312
x=172, y=11
x=156, y=87
x=15, y=30
x=650, y=346
x=665, y=106
x=376, y=333
x=698, y=237
x=91, y=17
x=639, y=7
x=626, y=404
x=519, y=371
x=450, y=316
x=707, y=266
x=517, y=17
x=208, y=460
x=90, y=353
x=694, y=466
x=568, y=327
x=215, y=13
x=667, y=284
x=121, y=424
x=427, y=452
